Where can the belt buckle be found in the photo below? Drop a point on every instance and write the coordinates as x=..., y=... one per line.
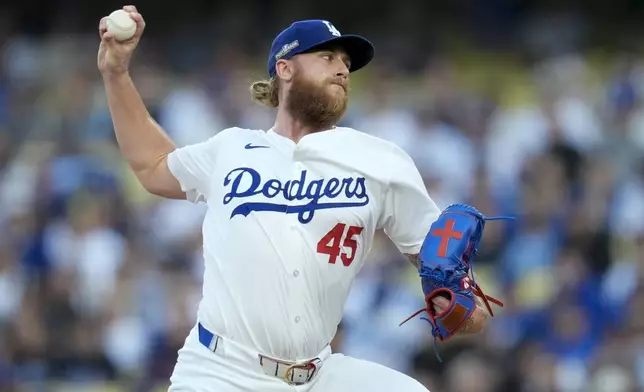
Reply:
x=292, y=367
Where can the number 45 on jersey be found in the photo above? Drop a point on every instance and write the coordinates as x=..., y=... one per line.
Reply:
x=336, y=243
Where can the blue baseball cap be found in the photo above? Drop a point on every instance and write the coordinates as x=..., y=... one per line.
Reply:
x=305, y=35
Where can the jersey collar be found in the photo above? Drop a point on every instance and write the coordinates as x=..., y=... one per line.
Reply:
x=286, y=142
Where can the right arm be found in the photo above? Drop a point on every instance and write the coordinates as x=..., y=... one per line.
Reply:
x=141, y=140
x=162, y=169
x=143, y=143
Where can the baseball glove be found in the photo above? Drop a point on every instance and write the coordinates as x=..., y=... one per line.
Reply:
x=445, y=263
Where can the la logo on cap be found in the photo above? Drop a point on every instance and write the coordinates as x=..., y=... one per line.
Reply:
x=332, y=28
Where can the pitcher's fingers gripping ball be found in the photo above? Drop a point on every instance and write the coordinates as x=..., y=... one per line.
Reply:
x=445, y=262
x=124, y=25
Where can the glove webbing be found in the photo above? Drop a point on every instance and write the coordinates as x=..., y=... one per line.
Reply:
x=476, y=289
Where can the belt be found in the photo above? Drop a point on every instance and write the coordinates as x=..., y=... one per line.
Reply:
x=293, y=373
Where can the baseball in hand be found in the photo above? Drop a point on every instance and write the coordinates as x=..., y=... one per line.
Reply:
x=120, y=25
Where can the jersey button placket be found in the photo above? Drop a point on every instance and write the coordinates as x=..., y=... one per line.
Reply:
x=298, y=247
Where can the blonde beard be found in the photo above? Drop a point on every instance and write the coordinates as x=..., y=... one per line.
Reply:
x=313, y=105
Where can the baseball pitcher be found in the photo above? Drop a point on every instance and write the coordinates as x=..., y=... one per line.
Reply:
x=292, y=213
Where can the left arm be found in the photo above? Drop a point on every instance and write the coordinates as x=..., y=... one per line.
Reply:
x=407, y=210
x=407, y=214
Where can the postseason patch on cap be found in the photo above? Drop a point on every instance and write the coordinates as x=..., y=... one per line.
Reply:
x=286, y=48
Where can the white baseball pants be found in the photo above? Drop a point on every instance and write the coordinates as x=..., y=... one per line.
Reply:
x=236, y=369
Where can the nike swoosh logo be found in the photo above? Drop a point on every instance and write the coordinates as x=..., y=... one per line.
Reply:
x=249, y=146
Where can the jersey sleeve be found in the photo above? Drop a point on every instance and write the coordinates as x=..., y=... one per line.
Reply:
x=193, y=165
x=408, y=211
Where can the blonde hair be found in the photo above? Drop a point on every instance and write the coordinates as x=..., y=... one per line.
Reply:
x=265, y=92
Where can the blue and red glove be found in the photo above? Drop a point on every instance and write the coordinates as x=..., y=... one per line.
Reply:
x=445, y=262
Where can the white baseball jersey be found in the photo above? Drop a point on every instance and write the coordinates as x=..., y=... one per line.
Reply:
x=289, y=226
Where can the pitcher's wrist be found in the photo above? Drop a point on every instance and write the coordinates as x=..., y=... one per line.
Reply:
x=115, y=76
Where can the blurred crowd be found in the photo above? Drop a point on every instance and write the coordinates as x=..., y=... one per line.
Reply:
x=99, y=281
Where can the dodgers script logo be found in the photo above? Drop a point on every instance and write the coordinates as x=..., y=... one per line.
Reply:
x=314, y=195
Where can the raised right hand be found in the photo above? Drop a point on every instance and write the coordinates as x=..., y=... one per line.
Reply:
x=114, y=56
